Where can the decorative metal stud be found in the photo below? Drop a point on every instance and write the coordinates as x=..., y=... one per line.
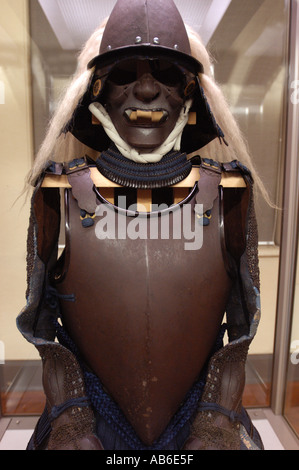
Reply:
x=156, y=40
x=190, y=87
x=176, y=46
x=97, y=87
x=138, y=40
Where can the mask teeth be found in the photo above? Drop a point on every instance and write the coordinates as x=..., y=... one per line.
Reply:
x=153, y=116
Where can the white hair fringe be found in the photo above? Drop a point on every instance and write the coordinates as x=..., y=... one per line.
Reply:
x=62, y=148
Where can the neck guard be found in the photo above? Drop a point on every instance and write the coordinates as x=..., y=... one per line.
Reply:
x=171, y=169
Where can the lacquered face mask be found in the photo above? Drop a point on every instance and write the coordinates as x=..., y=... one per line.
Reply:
x=144, y=99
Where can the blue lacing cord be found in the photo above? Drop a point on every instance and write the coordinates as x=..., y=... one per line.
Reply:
x=99, y=399
x=113, y=415
x=110, y=411
x=52, y=296
x=232, y=415
x=56, y=411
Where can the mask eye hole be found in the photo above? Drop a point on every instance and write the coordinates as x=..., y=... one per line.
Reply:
x=124, y=73
x=128, y=71
x=166, y=73
x=122, y=77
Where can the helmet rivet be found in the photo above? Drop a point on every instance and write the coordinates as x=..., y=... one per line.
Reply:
x=190, y=87
x=156, y=40
x=109, y=48
x=176, y=46
x=138, y=40
x=97, y=87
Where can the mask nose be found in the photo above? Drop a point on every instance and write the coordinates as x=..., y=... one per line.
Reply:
x=146, y=88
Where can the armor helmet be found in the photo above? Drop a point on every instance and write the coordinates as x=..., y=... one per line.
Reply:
x=145, y=29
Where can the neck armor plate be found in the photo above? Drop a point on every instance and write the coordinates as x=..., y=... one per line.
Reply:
x=172, y=169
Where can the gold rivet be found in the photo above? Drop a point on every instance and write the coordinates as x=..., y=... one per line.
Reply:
x=189, y=88
x=97, y=87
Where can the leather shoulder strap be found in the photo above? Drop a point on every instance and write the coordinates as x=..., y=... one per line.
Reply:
x=208, y=188
x=79, y=177
x=235, y=206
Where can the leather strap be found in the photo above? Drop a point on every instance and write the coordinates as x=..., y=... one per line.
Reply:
x=208, y=186
x=79, y=177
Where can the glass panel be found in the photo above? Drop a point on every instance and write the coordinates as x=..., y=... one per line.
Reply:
x=291, y=403
x=16, y=356
x=250, y=50
x=249, y=45
x=291, y=411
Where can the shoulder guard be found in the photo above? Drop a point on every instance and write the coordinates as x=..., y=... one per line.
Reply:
x=235, y=209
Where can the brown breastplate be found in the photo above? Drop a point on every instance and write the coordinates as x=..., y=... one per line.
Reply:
x=147, y=311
